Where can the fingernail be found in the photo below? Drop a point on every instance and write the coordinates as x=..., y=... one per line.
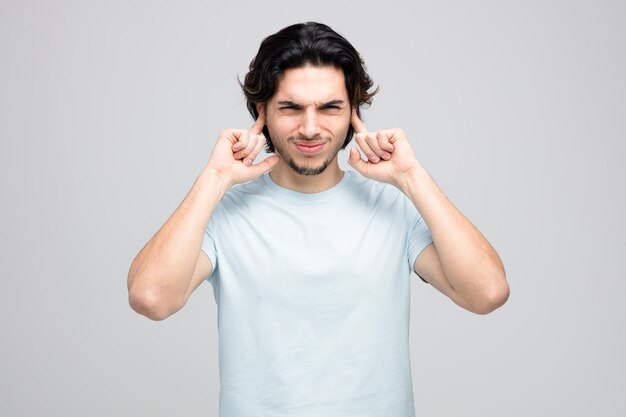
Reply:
x=247, y=162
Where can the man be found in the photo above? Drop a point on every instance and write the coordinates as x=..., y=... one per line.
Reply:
x=311, y=265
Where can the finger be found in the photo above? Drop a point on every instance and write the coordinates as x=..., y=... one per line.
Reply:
x=231, y=135
x=242, y=142
x=356, y=161
x=393, y=134
x=257, y=127
x=266, y=165
x=361, y=140
x=357, y=123
x=248, y=160
x=373, y=141
x=383, y=141
x=245, y=152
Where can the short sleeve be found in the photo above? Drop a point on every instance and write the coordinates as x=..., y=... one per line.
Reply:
x=208, y=246
x=419, y=237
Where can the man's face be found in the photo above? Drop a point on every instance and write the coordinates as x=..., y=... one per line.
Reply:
x=308, y=117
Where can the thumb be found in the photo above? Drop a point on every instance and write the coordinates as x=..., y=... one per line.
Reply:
x=356, y=162
x=265, y=165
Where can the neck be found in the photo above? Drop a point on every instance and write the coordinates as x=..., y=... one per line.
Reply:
x=283, y=175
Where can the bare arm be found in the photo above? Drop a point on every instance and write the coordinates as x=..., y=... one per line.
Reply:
x=172, y=265
x=461, y=263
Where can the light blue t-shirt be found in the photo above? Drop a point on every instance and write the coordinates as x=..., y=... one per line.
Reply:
x=313, y=296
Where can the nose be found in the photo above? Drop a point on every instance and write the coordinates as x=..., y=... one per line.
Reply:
x=309, y=126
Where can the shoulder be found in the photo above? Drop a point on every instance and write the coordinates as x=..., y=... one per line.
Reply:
x=240, y=199
x=383, y=198
x=245, y=191
x=375, y=192
x=256, y=186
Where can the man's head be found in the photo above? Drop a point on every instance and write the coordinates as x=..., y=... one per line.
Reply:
x=305, y=45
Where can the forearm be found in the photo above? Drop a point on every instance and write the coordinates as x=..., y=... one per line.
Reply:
x=161, y=274
x=471, y=266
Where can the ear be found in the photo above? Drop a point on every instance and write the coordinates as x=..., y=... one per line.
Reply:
x=260, y=108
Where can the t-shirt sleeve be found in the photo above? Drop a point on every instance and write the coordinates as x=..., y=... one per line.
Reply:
x=208, y=246
x=419, y=237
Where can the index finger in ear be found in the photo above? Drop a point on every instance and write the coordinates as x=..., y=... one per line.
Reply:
x=257, y=127
x=357, y=123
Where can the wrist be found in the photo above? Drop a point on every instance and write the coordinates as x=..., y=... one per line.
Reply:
x=409, y=181
x=214, y=179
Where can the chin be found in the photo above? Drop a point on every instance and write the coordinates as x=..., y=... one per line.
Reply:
x=307, y=169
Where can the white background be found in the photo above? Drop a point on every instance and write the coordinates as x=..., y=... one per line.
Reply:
x=109, y=110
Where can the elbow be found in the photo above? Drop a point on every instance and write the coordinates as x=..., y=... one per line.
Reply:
x=492, y=298
x=151, y=303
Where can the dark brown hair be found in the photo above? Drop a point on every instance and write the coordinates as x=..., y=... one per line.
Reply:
x=299, y=45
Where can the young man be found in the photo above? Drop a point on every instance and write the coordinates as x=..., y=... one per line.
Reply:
x=311, y=265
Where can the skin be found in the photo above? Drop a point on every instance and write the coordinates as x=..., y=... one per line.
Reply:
x=310, y=107
x=460, y=262
x=308, y=118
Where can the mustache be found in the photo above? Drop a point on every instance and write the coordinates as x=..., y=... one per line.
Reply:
x=318, y=138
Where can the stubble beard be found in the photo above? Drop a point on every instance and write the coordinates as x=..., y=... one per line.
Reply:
x=307, y=170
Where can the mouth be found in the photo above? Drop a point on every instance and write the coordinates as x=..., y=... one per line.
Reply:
x=309, y=147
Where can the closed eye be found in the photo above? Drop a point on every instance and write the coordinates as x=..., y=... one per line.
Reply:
x=331, y=109
x=332, y=106
x=289, y=105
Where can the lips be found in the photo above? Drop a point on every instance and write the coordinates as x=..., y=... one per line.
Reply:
x=309, y=147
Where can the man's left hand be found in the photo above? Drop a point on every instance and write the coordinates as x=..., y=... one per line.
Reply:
x=390, y=157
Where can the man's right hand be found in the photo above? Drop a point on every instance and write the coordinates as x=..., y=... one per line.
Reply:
x=235, y=151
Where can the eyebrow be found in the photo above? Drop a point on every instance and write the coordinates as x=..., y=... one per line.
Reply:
x=331, y=103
